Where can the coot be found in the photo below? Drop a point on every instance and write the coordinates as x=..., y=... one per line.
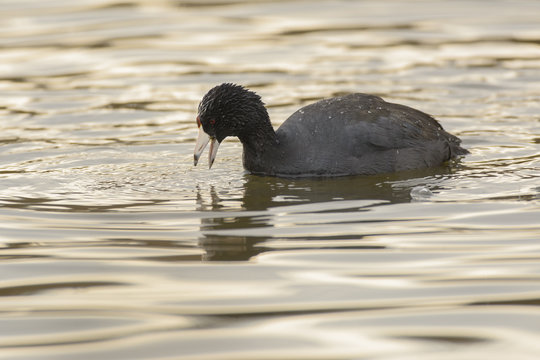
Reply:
x=356, y=134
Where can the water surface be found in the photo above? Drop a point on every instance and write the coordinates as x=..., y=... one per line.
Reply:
x=113, y=246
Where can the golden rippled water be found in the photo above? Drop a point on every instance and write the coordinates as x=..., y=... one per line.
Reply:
x=113, y=246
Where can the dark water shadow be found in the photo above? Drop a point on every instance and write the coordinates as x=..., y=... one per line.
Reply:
x=262, y=195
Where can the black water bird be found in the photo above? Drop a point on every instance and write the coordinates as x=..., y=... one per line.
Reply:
x=356, y=134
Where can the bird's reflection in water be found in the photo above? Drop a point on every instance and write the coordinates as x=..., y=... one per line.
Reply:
x=223, y=229
x=219, y=246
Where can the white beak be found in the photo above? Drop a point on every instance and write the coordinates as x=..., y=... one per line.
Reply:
x=214, y=145
x=202, y=141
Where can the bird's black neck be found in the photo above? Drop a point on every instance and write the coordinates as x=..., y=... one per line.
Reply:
x=260, y=136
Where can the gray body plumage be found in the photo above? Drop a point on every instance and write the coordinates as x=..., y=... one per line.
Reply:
x=356, y=134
